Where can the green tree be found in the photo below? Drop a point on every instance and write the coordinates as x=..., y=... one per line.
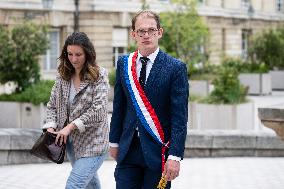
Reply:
x=20, y=50
x=185, y=34
x=268, y=47
x=145, y=5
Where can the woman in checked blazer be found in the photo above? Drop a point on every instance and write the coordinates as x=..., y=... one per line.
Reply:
x=77, y=111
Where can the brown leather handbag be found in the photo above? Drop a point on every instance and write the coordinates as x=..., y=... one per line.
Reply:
x=45, y=148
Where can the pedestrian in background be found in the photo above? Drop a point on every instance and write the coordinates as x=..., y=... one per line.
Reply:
x=77, y=111
x=149, y=121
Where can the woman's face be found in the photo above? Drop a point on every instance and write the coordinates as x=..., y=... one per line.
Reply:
x=76, y=56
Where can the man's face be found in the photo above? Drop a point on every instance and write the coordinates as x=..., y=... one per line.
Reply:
x=146, y=34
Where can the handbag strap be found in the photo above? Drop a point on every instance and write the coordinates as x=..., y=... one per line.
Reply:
x=67, y=119
x=68, y=110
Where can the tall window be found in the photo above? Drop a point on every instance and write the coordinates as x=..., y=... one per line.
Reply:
x=279, y=5
x=223, y=40
x=246, y=34
x=117, y=52
x=201, y=2
x=50, y=58
x=119, y=43
x=245, y=3
x=222, y=3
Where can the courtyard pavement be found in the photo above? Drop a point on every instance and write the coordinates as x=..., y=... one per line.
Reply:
x=196, y=173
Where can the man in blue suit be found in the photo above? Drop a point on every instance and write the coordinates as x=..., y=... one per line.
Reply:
x=149, y=121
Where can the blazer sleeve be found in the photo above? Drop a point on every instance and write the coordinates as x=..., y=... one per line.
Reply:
x=51, y=111
x=179, y=110
x=119, y=106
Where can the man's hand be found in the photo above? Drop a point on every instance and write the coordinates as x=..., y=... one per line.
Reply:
x=172, y=169
x=113, y=152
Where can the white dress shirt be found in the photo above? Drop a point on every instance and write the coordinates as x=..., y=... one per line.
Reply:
x=149, y=65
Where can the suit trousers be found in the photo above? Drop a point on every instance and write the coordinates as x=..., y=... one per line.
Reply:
x=133, y=173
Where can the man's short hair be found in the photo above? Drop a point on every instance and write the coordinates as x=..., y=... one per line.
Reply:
x=149, y=14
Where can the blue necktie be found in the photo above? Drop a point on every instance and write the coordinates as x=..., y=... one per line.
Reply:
x=142, y=77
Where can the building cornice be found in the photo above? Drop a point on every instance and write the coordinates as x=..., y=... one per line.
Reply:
x=238, y=13
x=133, y=7
x=126, y=6
x=31, y=6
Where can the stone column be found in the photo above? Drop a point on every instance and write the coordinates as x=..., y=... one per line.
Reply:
x=98, y=26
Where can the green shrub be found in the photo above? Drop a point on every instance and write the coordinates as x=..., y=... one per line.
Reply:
x=268, y=47
x=35, y=94
x=205, y=76
x=204, y=72
x=131, y=47
x=254, y=67
x=20, y=50
x=245, y=66
x=195, y=98
x=227, y=88
x=111, y=77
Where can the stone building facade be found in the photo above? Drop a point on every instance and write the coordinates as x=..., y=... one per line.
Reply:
x=107, y=23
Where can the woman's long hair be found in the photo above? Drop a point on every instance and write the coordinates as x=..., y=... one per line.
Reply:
x=90, y=70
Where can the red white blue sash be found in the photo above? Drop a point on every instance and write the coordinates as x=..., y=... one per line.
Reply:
x=143, y=108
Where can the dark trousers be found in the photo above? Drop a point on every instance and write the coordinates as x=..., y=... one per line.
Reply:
x=133, y=173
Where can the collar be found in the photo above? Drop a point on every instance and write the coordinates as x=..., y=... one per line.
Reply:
x=152, y=56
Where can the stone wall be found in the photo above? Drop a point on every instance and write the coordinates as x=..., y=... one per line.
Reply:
x=16, y=143
x=219, y=143
x=21, y=115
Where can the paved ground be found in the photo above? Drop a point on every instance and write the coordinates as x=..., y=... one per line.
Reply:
x=196, y=173
x=277, y=97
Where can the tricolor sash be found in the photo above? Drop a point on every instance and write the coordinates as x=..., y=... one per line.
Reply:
x=142, y=106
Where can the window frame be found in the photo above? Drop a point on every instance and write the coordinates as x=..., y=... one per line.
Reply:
x=116, y=54
x=245, y=42
x=47, y=65
x=279, y=5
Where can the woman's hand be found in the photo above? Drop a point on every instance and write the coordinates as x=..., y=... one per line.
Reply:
x=63, y=133
x=51, y=130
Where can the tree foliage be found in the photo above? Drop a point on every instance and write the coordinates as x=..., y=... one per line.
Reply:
x=19, y=53
x=268, y=47
x=185, y=33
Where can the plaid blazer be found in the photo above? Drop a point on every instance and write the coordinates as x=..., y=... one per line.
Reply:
x=88, y=112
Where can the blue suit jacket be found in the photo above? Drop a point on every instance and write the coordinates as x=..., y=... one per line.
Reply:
x=167, y=90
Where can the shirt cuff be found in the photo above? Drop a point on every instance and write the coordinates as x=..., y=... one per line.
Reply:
x=79, y=124
x=171, y=157
x=49, y=125
x=114, y=145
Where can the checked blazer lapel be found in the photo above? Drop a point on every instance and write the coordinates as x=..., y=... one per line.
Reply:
x=83, y=85
x=65, y=90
